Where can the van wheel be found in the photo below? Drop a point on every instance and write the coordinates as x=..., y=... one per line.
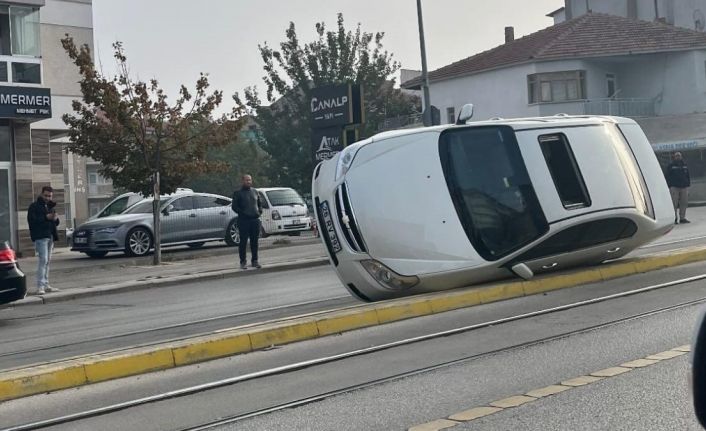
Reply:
x=233, y=234
x=96, y=254
x=138, y=242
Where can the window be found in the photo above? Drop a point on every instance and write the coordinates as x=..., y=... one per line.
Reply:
x=491, y=189
x=564, y=171
x=116, y=207
x=26, y=73
x=284, y=197
x=3, y=71
x=611, y=83
x=263, y=201
x=556, y=86
x=209, y=202
x=183, y=204
x=582, y=236
x=24, y=25
x=144, y=207
x=451, y=115
x=5, y=31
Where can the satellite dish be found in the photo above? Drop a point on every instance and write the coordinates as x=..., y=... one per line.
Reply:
x=699, y=20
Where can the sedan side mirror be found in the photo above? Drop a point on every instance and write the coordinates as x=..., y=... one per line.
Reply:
x=698, y=369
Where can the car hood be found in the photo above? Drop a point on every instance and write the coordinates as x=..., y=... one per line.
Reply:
x=407, y=220
x=114, y=220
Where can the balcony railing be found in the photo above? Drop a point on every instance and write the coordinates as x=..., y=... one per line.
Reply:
x=620, y=107
x=100, y=190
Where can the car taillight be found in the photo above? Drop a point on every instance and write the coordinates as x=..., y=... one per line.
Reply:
x=7, y=256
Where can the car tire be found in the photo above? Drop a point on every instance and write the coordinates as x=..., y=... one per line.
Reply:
x=196, y=244
x=138, y=242
x=96, y=254
x=232, y=234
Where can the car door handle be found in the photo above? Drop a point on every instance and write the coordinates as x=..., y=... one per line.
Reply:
x=223, y=213
x=613, y=250
x=192, y=215
x=550, y=266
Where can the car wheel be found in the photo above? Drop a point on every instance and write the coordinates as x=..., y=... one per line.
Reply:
x=138, y=242
x=233, y=234
x=196, y=244
x=96, y=254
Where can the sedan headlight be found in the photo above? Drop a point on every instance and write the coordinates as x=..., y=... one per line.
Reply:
x=388, y=277
x=345, y=160
x=109, y=229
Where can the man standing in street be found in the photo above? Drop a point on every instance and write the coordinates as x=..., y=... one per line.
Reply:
x=42, y=220
x=246, y=203
x=678, y=180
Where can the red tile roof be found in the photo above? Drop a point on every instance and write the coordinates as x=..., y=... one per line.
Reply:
x=590, y=35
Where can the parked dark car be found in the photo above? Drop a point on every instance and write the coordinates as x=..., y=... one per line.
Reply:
x=13, y=285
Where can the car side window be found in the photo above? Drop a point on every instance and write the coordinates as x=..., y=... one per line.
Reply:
x=115, y=208
x=202, y=202
x=183, y=204
x=263, y=201
x=222, y=202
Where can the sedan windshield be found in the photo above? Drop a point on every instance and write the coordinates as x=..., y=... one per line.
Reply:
x=284, y=197
x=491, y=189
x=144, y=207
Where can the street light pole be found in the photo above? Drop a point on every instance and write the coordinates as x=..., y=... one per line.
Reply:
x=426, y=113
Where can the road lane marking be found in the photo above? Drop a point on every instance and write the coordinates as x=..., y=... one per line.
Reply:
x=548, y=391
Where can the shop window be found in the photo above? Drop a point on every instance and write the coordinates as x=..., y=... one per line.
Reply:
x=556, y=86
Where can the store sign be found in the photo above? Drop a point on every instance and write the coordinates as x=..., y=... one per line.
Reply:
x=325, y=143
x=25, y=102
x=335, y=105
x=679, y=146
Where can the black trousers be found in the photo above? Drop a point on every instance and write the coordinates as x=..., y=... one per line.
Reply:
x=249, y=230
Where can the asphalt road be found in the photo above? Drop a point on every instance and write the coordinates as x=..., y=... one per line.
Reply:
x=498, y=361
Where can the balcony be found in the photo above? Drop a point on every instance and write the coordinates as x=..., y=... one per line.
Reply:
x=632, y=108
x=100, y=190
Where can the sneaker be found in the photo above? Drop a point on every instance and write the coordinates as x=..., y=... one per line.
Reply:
x=243, y=265
x=52, y=289
x=684, y=221
x=256, y=265
x=39, y=292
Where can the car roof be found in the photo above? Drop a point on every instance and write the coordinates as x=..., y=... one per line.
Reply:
x=560, y=120
x=269, y=189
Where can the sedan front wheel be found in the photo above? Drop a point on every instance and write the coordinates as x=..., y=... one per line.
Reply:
x=138, y=242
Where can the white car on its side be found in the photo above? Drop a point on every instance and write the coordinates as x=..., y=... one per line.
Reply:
x=442, y=207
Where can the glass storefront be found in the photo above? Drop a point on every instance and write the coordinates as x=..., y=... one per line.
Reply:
x=6, y=195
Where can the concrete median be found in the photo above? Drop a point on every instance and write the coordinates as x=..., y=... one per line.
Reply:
x=112, y=365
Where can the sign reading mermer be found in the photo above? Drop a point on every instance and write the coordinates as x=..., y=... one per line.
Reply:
x=23, y=102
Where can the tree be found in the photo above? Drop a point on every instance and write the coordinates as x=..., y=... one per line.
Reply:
x=144, y=143
x=340, y=56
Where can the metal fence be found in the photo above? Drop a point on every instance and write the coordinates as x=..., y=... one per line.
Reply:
x=620, y=107
x=400, y=122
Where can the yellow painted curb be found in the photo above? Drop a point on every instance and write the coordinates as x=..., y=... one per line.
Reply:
x=95, y=368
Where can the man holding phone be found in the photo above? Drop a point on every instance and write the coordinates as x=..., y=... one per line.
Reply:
x=43, y=220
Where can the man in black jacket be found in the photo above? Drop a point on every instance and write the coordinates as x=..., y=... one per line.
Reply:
x=246, y=203
x=42, y=220
x=679, y=181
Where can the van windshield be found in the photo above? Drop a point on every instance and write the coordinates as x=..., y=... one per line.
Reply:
x=491, y=189
x=284, y=197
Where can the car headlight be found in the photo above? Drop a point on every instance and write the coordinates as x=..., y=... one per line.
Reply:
x=388, y=277
x=110, y=229
x=345, y=160
x=275, y=215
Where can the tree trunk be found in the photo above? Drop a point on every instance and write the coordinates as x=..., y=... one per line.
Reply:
x=157, y=256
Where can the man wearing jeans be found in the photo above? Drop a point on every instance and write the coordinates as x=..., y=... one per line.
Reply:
x=246, y=203
x=42, y=220
x=679, y=181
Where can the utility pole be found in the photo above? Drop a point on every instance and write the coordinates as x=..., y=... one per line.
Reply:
x=426, y=113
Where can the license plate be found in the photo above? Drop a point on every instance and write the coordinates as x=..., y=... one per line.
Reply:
x=80, y=240
x=330, y=229
x=296, y=221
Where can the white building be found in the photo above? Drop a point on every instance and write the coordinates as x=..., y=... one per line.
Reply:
x=592, y=64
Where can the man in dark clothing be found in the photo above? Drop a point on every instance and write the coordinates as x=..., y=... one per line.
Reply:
x=246, y=203
x=678, y=180
x=42, y=220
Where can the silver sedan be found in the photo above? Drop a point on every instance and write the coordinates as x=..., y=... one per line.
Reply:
x=186, y=219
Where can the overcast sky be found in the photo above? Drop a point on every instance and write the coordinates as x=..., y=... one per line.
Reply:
x=174, y=40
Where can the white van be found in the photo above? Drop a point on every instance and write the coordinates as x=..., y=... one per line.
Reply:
x=284, y=212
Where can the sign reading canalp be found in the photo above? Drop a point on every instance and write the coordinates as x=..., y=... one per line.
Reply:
x=23, y=102
x=333, y=109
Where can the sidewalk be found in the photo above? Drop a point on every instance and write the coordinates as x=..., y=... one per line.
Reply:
x=90, y=277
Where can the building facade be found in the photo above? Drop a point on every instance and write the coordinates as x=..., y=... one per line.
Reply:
x=37, y=85
x=594, y=64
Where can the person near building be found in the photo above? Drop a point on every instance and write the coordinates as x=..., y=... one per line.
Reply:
x=247, y=204
x=43, y=222
x=679, y=181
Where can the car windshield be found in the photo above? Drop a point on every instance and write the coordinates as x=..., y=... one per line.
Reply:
x=491, y=189
x=284, y=197
x=144, y=207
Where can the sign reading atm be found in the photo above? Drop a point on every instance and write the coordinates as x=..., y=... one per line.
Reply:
x=25, y=102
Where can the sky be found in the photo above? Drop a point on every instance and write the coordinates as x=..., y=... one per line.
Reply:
x=174, y=40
